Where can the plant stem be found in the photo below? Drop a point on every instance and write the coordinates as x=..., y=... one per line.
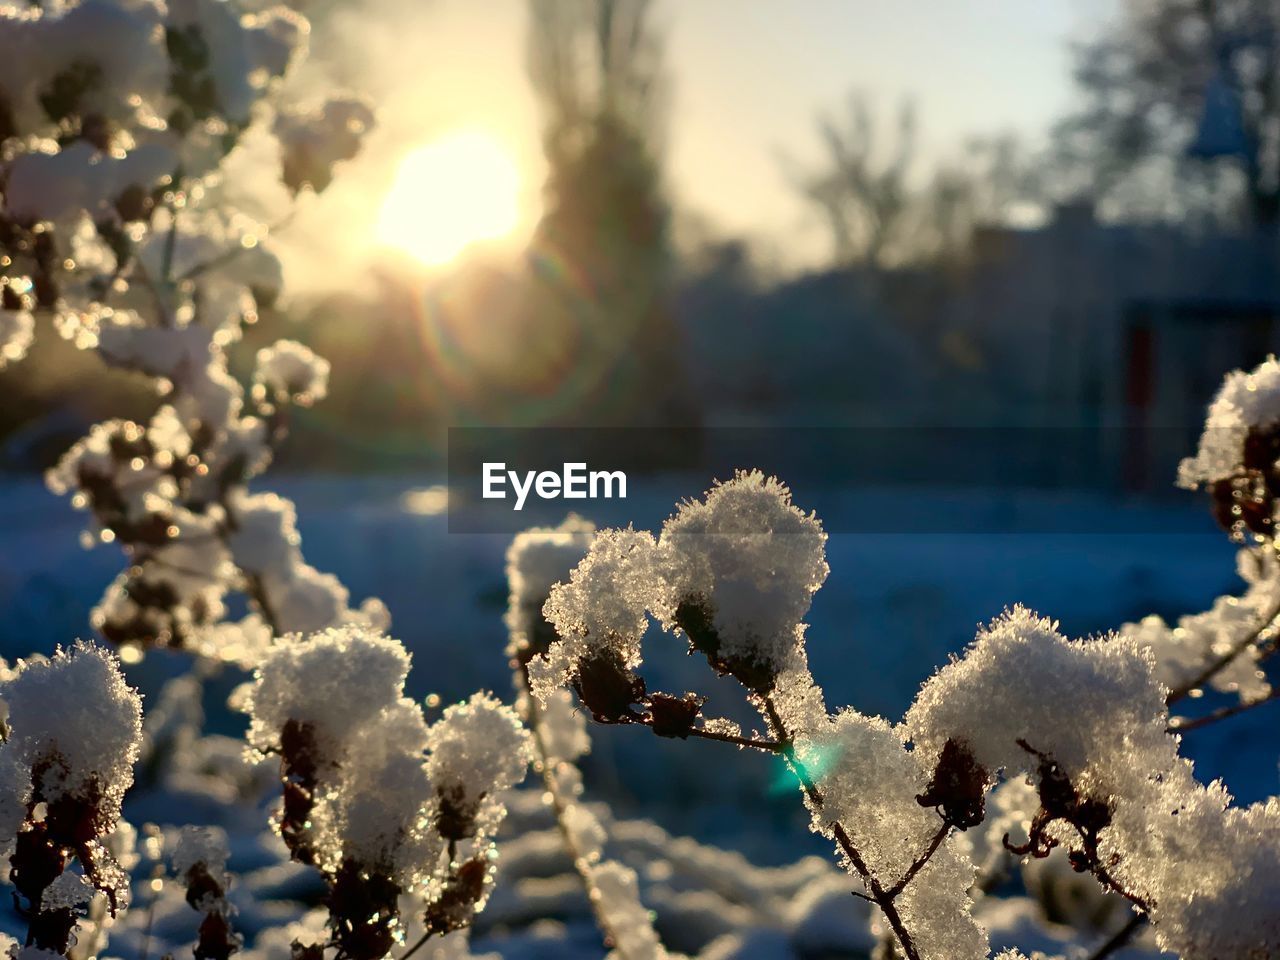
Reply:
x=701, y=733
x=1120, y=938
x=921, y=860
x=1181, y=725
x=1215, y=666
x=417, y=946
x=881, y=896
x=1218, y=664
x=546, y=760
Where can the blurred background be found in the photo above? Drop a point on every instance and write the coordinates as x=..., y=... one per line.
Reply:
x=725, y=212
x=935, y=221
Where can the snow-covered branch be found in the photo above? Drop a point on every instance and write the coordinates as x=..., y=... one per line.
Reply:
x=1086, y=722
x=119, y=121
x=382, y=804
x=536, y=559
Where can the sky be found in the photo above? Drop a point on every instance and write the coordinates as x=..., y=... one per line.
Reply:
x=751, y=78
x=748, y=81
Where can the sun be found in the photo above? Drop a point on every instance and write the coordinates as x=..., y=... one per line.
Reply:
x=449, y=194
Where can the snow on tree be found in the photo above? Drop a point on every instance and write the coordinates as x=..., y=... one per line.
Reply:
x=290, y=372
x=1238, y=450
x=742, y=567
x=119, y=122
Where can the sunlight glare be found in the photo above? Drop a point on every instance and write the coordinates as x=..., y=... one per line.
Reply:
x=450, y=194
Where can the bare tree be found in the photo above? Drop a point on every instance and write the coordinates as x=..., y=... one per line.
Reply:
x=1181, y=112
x=886, y=208
x=862, y=191
x=596, y=65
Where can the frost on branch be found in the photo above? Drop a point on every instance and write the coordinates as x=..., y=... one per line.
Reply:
x=742, y=567
x=536, y=560
x=75, y=732
x=735, y=573
x=1238, y=452
x=372, y=796
x=334, y=683
x=1087, y=721
x=200, y=861
x=313, y=141
x=600, y=616
x=1094, y=704
x=119, y=121
x=870, y=783
x=1225, y=633
x=477, y=750
x=617, y=890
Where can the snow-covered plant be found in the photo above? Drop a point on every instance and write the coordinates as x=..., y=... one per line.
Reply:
x=119, y=123
x=383, y=805
x=75, y=727
x=1084, y=724
x=1238, y=452
x=536, y=559
x=200, y=860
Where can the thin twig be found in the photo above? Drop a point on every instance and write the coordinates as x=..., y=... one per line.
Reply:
x=416, y=947
x=878, y=893
x=533, y=718
x=1218, y=664
x=768, y=746
x=1120, y=938
x=920, y=861
x=1182, y=724
x=702, y=733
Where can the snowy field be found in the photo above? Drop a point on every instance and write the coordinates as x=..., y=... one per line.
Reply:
x=893, y=608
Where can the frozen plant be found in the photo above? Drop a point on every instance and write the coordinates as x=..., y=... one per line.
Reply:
x=383, y=805
x=200, y=861
x=536, y=559
x=75, y=728
x=1238, y=451
x=122, y=124
x=1084, y=723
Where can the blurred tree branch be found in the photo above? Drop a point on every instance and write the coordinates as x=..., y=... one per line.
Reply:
x=1181, y=113
x=885, y=208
